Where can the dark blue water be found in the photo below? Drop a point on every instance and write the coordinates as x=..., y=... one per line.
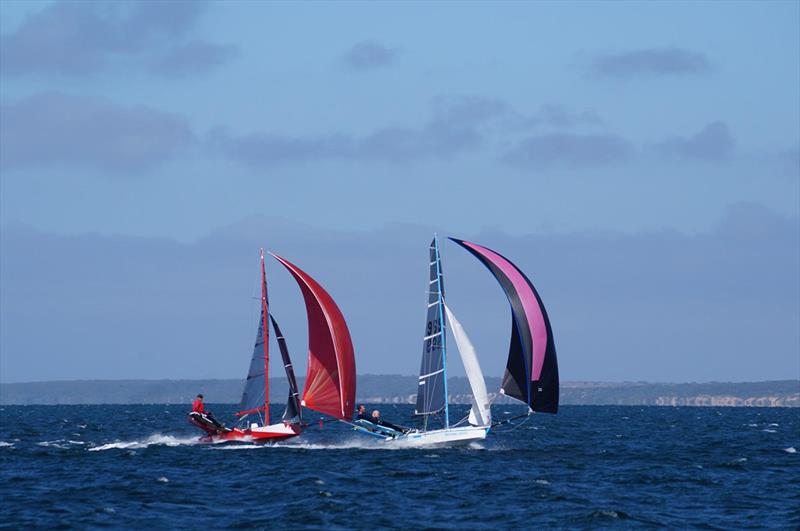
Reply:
x=137, y=466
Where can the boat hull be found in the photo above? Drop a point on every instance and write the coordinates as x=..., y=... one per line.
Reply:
x=443, y=437
x=448, y=437
x=256, y=434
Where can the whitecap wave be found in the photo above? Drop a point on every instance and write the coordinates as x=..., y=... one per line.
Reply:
x=790, y=450
x=154, y=440
x=58, y=443
x=607, y=514
x=769, y=431
x=346, y=444
x=239, y=446
x=356, y=443
x=4, y=444
x=295, y=444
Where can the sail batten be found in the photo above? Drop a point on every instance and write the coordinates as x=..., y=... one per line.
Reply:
x=330, y=385
x=531, y=374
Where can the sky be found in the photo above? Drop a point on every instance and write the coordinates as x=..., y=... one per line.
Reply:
x=640, y=161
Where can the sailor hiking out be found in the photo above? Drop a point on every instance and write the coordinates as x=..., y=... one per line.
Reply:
x=204, y=419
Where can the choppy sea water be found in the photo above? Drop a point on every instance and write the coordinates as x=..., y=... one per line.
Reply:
x=587, y=467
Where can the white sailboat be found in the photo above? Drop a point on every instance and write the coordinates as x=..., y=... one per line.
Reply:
x=432, y=404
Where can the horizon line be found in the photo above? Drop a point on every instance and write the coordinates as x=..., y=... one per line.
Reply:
x=565, y=382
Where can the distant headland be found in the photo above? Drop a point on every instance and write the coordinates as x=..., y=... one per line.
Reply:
x=401, y=390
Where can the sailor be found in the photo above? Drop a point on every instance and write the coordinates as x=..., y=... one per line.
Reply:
x=376, y=419
x=197, y=405
x=362, y=413
x=204, y=418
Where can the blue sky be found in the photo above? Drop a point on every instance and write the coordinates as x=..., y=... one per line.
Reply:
x=565, y=135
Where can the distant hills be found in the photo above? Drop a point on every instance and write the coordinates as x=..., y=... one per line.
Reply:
x=402, y=389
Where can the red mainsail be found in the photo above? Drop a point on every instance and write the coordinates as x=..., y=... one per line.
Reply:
x=331, y=375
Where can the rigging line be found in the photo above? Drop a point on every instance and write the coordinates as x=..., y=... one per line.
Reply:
x=325, y=420
x=520, y=424
x=508, y=420
x=460, y=421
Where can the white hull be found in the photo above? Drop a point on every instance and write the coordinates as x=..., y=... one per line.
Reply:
x=282, y=428
x=452, y=436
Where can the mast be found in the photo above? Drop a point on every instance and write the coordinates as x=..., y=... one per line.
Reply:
x=255, y=395
x=443, y=329
x=264, y=324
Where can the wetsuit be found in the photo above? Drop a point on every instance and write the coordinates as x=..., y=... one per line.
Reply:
x=386, y=424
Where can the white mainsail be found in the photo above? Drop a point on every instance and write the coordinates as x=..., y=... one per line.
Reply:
x=481, y=412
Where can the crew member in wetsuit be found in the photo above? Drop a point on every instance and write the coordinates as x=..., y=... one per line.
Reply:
x=362, y=413
x=376, y=419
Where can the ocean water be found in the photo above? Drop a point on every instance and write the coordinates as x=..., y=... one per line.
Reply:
x=587, y=467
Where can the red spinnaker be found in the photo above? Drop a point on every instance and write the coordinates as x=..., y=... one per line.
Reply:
x=331, y=375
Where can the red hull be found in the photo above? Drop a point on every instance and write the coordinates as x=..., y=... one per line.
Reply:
x=276, y=432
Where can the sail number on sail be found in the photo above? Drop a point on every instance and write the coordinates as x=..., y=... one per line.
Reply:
x=431, y=331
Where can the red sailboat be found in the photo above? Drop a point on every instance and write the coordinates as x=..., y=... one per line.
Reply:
x=330, y=377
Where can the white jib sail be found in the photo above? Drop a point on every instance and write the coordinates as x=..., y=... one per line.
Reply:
x=481, y=412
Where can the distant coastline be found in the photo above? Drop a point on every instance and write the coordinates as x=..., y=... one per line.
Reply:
x=398, y=389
